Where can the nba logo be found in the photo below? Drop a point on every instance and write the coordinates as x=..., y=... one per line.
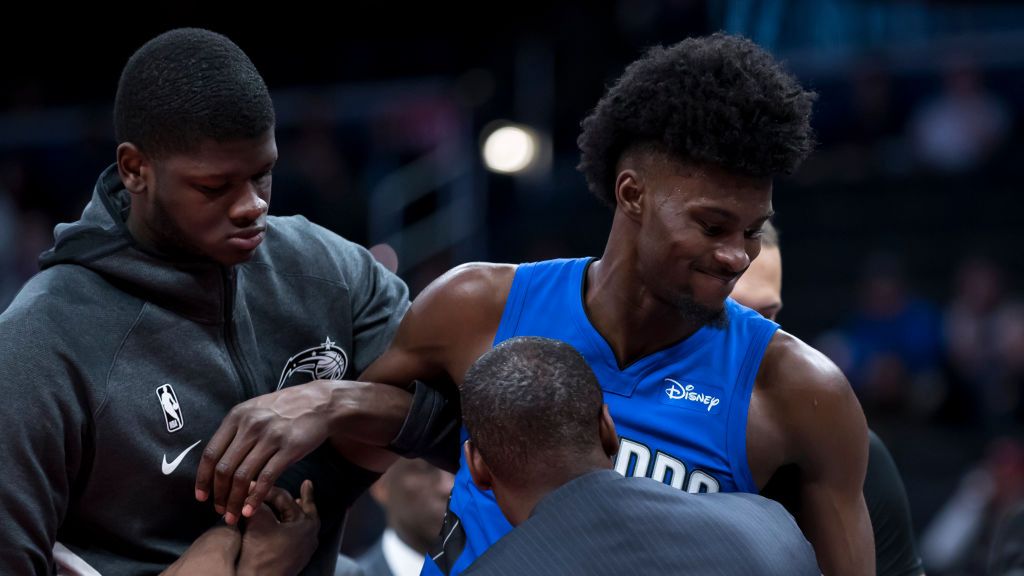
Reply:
x=171, y=409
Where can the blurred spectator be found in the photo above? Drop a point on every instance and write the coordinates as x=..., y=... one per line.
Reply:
x=971, y=319
x=960, y=128
x=957, y=540
x=414, y=495
x=985, y=335
x=892, y=347
x=1008, y=407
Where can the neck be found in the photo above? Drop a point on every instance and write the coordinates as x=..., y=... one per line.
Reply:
x=632, y=320
x=518, y=502
x=140, y=232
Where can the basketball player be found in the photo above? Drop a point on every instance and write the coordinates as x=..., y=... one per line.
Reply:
x=708, y=395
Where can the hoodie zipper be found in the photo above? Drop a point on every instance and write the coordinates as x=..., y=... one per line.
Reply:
x=231, y=338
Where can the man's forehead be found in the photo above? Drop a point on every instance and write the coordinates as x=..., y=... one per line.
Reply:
x=225, y=158
x=707, y=181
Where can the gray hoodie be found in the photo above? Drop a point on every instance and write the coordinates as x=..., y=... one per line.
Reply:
x=117, y=365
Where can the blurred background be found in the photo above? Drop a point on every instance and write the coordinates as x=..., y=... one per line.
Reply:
x=901, y=237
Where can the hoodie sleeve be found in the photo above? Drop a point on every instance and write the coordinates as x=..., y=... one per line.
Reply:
x=379, y=301
x=377, y=298
x=45, y=422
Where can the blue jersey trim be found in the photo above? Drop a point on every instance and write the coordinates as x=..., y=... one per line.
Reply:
x=736, y=434
x=514, y=303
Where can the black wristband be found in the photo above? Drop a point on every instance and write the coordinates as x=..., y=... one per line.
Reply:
x=431, y=428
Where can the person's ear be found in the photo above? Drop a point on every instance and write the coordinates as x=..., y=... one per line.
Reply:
x=609, y=438
x=629, y=193
x=478, y=468
x=134, y=168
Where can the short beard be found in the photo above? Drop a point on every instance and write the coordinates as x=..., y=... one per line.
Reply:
x=702, y=315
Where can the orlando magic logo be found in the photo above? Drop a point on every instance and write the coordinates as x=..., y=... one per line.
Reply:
x=324, y=362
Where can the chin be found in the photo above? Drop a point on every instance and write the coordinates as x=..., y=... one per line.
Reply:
x=229, y=260
x=715, y=301
x=237, y=261
x=708, y=302
x=711, y=312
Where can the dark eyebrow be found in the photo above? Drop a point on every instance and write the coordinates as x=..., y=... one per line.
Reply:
x=269, y=166
x=729, y=215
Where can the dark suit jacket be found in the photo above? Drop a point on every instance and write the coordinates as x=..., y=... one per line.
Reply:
x=602, y=523
x=372, y=562
x=1007, y=557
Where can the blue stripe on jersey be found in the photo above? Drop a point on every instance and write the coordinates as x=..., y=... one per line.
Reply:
x=681, y=413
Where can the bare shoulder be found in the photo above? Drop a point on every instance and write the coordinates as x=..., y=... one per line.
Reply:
x=806, y=394
x=799, y=392
x=476, y=283
x=450, y=324
x=791, y=366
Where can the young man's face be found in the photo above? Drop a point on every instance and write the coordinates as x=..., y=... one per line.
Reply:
x=699, y=231
x=760, y=287
x=211, y=203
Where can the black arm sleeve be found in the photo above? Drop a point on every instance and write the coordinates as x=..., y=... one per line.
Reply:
x=431, y=428
x=895, y=548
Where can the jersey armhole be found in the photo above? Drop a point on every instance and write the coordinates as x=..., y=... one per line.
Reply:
x=514, y=303
x=736, y=440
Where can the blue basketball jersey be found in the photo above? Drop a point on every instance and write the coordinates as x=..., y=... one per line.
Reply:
x=681, y=413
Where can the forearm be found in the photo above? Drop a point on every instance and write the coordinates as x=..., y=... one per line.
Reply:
x=842, y=540
x=366, y=413
x=213, y=553
x=422, y=424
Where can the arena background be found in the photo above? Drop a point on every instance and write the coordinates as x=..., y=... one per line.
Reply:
x=901, y=236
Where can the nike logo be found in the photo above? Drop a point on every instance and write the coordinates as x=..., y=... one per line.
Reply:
x=167, y=468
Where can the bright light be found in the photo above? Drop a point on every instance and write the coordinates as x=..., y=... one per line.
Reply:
x=510, y=149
